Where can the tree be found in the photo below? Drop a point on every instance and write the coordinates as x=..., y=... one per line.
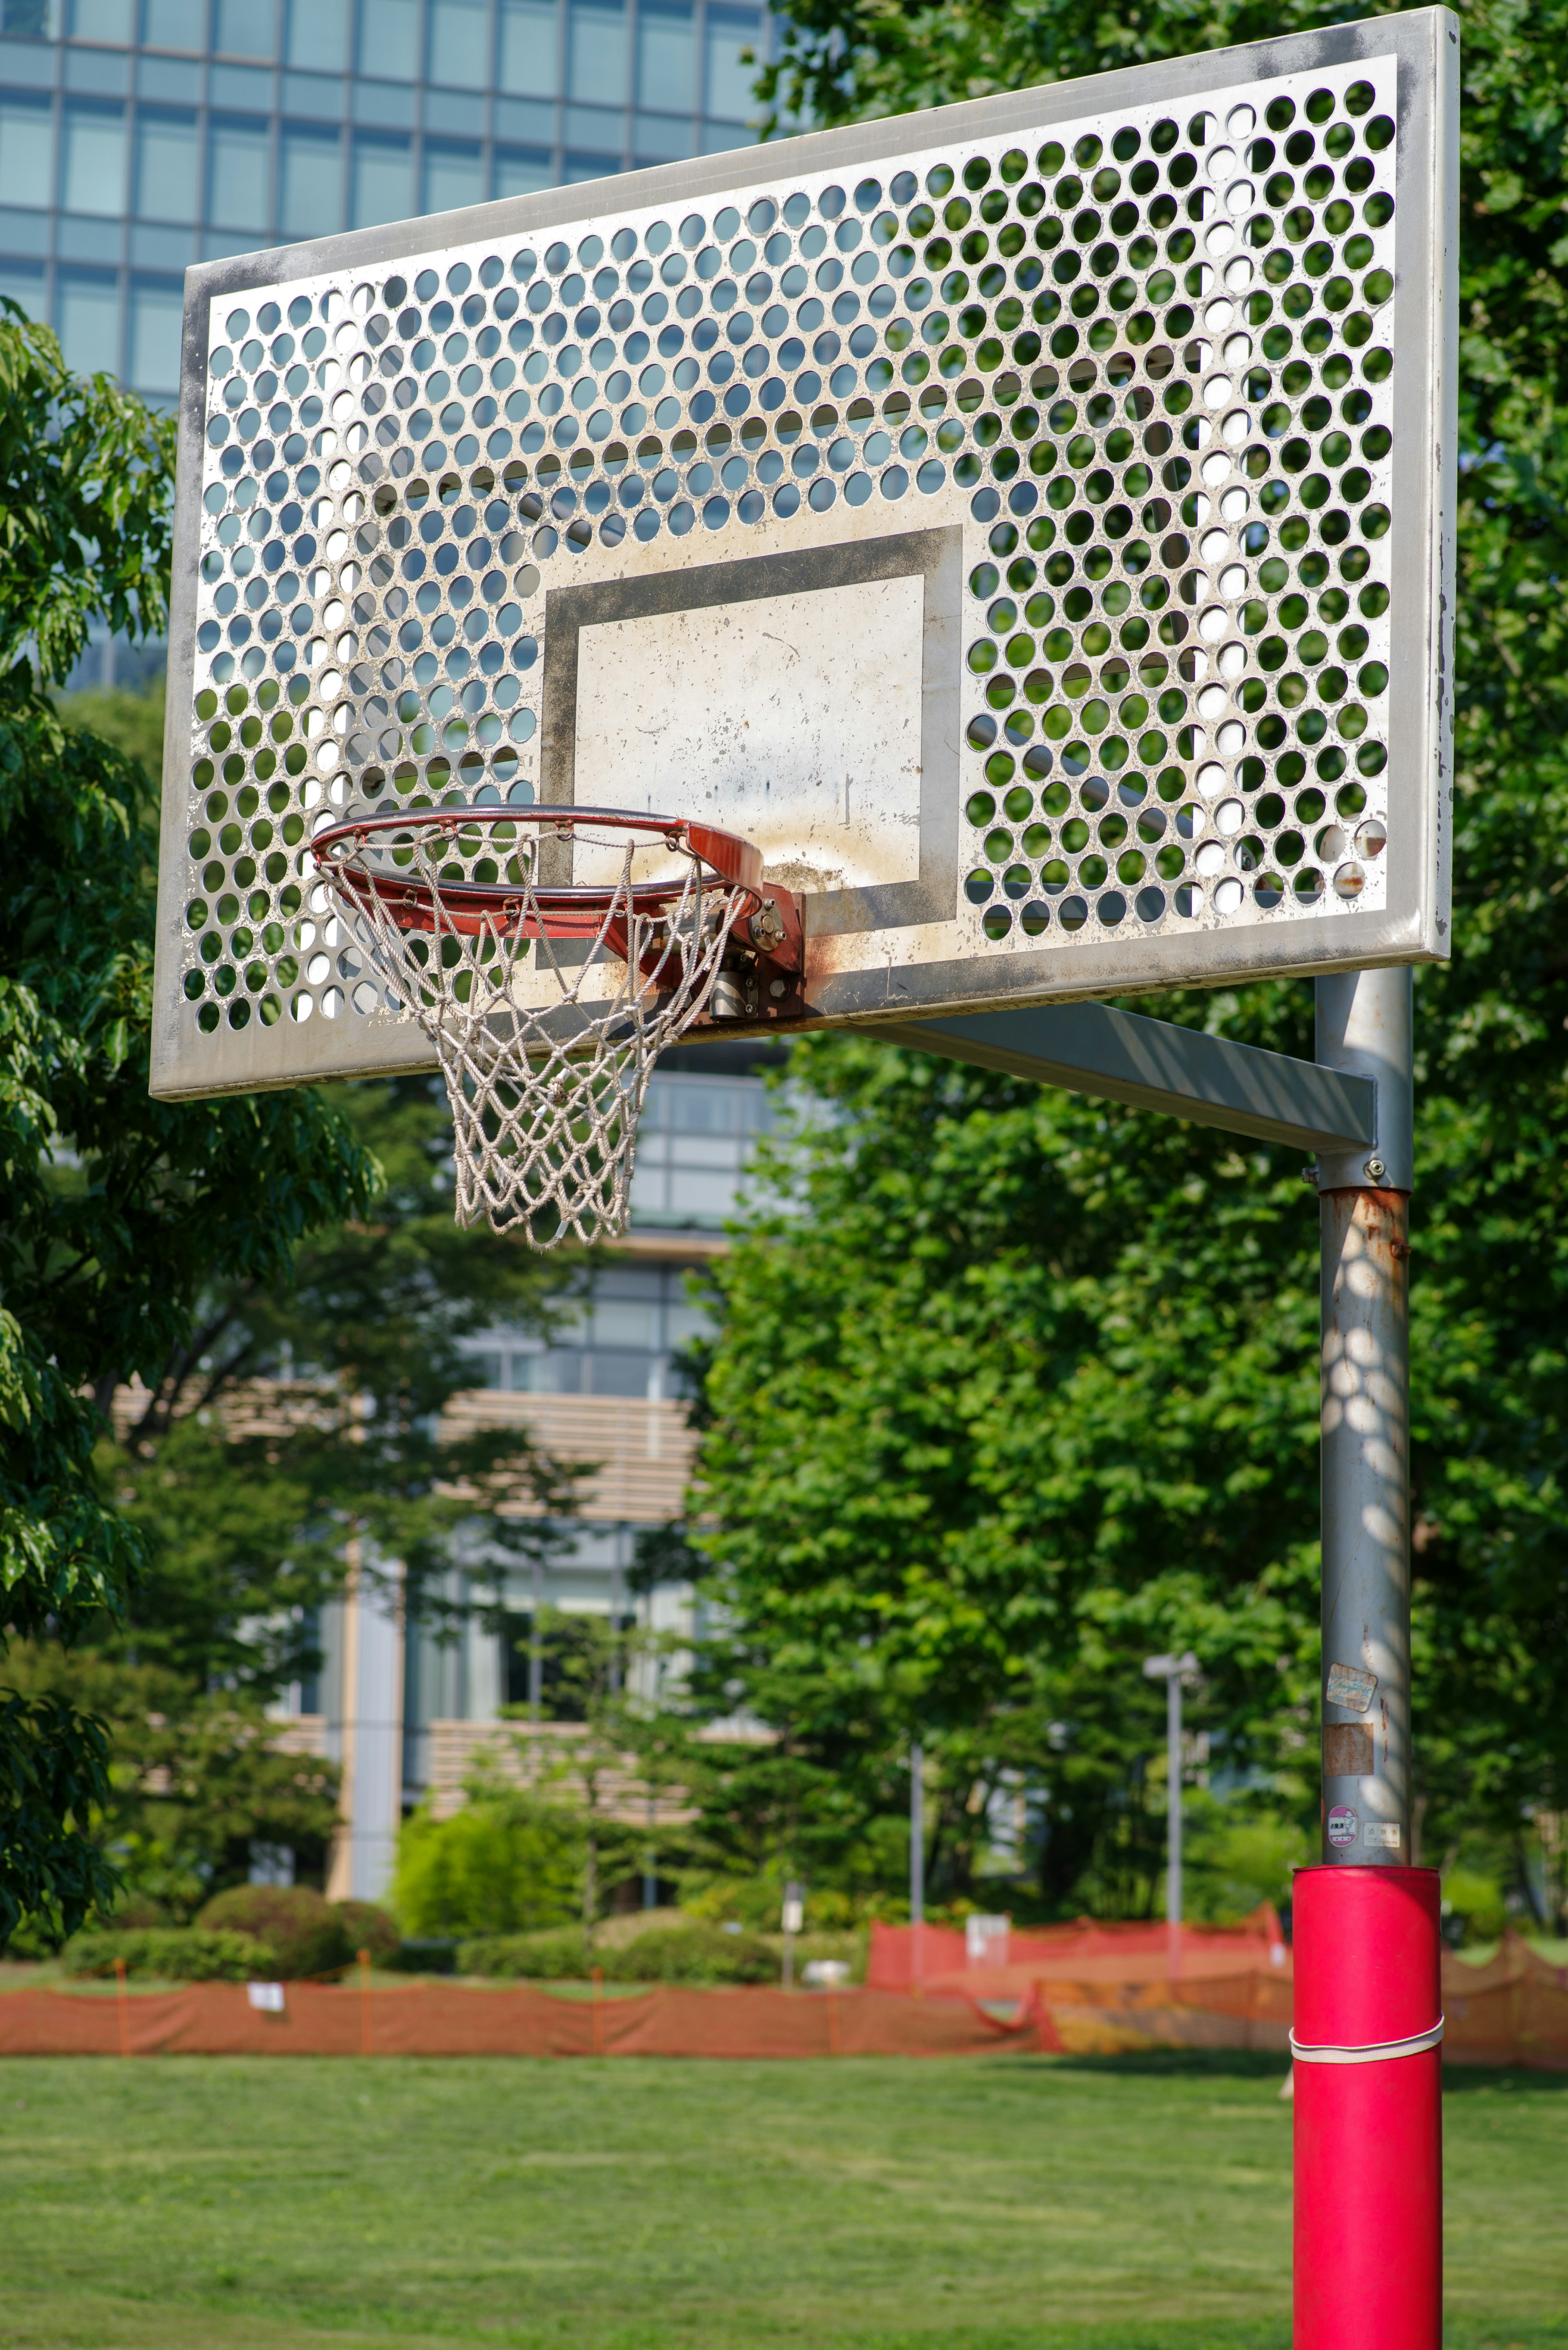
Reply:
x=118, y=1209
x=1030, y=1388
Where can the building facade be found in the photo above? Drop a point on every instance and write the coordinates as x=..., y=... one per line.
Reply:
x=138, y=136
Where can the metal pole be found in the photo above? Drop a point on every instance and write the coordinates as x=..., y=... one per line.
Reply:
x=1367, y=2076
x=535, y=1653
x=1173, y=1821
x=917, y=1860
x=1364, y=1025
x=650, y=1864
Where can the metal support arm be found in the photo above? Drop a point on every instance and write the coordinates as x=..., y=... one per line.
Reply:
x=1087, y=1048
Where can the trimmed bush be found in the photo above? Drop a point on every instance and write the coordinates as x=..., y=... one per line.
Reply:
x=544, y=1957
x=692, y=1954
x=370, y=1928
x=178, y=1953
x=303, y=1933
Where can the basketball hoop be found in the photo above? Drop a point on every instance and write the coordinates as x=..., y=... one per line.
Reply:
x=548, y=1002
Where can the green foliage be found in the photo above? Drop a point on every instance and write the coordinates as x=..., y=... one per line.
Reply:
x=301, y=1933
x=506, y=1864
x=1475, y=1903
x=177, y=1953
x=1029, y=1390
x=973, y=1456
x=194, y=1778
x=131, y=718
x=552, y=1955
x=85, y=524
x=118, y=1210
x=692, y=1954
x=369, y=1927
x=1236, y=1856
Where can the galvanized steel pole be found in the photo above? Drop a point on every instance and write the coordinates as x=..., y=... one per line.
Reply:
x=1363, y=1027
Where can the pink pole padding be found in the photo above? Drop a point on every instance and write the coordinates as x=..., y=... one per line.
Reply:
x=1368, y=2137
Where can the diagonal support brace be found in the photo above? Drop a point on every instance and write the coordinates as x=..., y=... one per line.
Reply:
x=1088, y=1048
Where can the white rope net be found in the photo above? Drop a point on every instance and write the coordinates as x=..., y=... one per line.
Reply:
x=547, y=1085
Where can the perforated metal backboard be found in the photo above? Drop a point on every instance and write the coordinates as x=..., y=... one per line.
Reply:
x=1030, y=522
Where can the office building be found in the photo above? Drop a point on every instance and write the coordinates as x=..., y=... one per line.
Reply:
x=137, y=136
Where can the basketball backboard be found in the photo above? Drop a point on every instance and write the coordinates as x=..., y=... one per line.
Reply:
x=1003, y=515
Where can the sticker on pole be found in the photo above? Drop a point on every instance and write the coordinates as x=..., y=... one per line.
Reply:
x=1349, y=1686
x=1342, y=1823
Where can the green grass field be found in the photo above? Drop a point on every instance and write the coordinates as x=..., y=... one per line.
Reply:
x=994, y=2204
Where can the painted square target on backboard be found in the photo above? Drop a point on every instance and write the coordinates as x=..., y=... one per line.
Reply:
x=1030, y=521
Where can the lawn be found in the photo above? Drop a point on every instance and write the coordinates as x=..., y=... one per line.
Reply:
x=1002, y=2203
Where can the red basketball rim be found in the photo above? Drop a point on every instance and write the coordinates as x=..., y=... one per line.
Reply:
x=569, y=911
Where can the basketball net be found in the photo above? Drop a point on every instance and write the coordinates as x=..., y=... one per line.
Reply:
x=546, y=1055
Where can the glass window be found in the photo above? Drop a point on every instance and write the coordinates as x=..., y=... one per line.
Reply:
x=383, y=184
x=660, y=138
x=625, y=1325
x=23, y=285
x=174, y=24
x=666, y=59
x=530, y=44
x=729, y=94
x=701, y=1196
x=26, y=153
x=620, y=1375
x=101, y=20
x=688, y=1322
x=389, y=42
x=88, y=318
x=93, y=179
x=596, y=68
x=246, y=28
x=310, y=193
x=453, y=178
x=237, y=176
x=166, y=174
x=317, y=37
x=155, y=322
x=521, y=175
x=459, y=44
x=33, y=18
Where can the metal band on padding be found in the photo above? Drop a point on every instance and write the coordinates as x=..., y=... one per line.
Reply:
x=1376, y=2051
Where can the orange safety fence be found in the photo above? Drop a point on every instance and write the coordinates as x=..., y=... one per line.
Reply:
x=1124, y=1986
x=1513, y=2009
x=440, y=2018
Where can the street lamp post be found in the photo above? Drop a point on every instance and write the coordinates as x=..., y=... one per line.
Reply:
x=1173, y=1671
x=917, y=1860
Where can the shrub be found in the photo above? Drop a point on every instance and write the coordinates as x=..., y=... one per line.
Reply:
x=179, y=1953
x=303, y=1934
x=692, y=1954
x=369, y=1927
x=517, y=1957
x=506, y=1864
x=1474, y=1902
